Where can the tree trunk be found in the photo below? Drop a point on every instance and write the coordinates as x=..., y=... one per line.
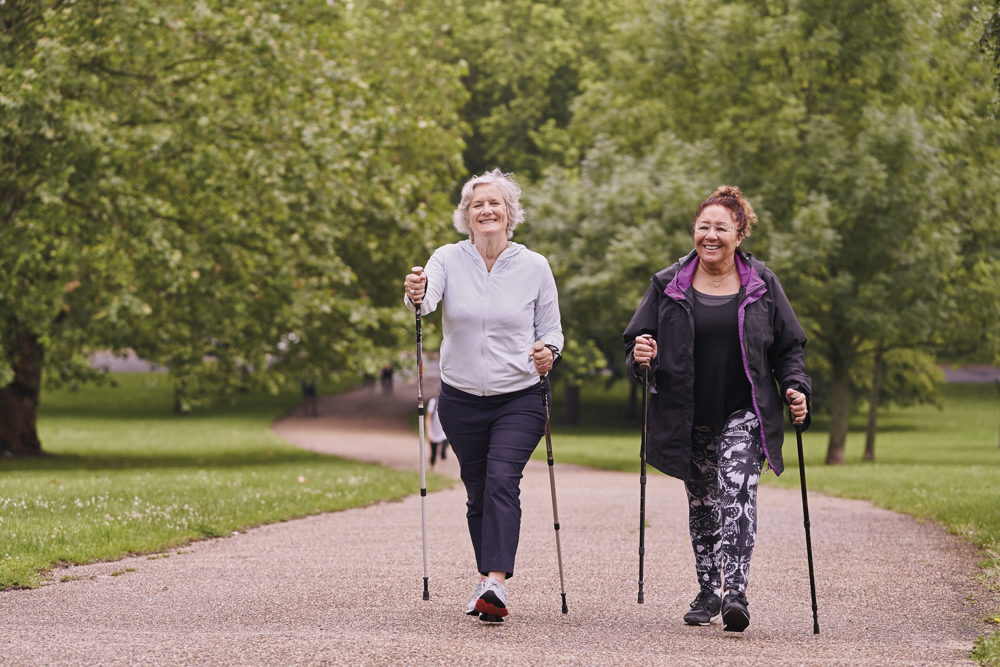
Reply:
x=571, y=404
x=180, y=405
x=19, y=399
x=840, y=411
x=998, y=387
x=873, y=400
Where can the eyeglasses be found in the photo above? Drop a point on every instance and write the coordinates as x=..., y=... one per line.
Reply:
x=703, y=228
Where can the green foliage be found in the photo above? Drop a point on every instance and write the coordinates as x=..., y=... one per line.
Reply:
x=609, y=225
x=990, y=39
x=986, y=650
x=125, y=476
x=861, y=131
x=526, y=63
x=909, y=377
x=240, y=181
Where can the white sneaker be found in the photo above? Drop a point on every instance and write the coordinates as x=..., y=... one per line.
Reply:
x=492, y=602
x=480, y=588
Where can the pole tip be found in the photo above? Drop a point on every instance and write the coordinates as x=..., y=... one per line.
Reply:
x=641, y=598
x=427, y=593
x=565, y=609
x=816, y=629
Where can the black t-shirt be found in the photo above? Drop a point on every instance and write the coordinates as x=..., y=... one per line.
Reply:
x=720, y=382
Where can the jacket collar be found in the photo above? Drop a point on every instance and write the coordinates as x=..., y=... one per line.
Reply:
x=507, y=255
x=748, y=266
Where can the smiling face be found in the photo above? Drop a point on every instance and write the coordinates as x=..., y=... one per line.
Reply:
x=716, y=238
x=487, y=212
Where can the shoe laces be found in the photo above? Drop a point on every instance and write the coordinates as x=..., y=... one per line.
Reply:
x=739, y=596
x=704, y=597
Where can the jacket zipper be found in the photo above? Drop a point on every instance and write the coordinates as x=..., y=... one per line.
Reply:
x=482, y=337
x=745, y=350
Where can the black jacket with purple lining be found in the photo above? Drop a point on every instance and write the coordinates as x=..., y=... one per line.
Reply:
x=773, y=358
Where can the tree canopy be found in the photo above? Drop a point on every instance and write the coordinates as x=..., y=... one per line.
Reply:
x=234, y=188
x=861, y=131
x=234, y=181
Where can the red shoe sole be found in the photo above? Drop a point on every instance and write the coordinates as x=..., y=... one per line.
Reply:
x=484, y=607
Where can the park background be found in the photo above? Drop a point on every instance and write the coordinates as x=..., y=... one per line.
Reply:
x=234, y=191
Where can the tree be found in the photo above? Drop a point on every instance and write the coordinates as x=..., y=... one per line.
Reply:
x=859, y=131
x=609, y=225
x=243, y=181
x=990, y=39
x=526, y=62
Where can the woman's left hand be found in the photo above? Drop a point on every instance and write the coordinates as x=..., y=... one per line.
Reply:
x=797, y=404
x=542, y=357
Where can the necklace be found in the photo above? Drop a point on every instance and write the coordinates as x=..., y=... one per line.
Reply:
x=719, y=281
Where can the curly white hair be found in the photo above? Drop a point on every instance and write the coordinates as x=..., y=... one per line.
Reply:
x=511, y=197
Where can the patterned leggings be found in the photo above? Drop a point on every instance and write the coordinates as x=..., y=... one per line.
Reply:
x=722, y=499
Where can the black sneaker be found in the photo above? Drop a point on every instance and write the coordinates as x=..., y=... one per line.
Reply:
x=735, y=616
x=704, y=609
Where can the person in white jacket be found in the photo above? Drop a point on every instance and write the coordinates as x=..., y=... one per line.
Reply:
x=498, y=299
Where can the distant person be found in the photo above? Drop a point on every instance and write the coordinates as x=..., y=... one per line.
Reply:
x=437, y=434
x=729, y=339
x=387, y=379
x=498, y=298
x=309, y=402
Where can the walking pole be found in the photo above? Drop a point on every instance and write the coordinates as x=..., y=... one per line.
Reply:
x=805, y=516
x=642, y=476
x=552, y=476
x=420, y=421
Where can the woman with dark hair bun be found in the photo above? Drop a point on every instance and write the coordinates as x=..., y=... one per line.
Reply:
x=725, y=354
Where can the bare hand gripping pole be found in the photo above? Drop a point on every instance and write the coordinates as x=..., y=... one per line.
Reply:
x=642, y=476
x=420, y=421
x=805, y=522
x=552, y=477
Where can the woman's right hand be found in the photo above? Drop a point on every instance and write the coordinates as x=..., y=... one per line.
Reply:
x=414, y=284
x=645, y=350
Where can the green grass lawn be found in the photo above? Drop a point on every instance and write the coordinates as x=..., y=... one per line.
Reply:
x=125, y=475
x=942, y=465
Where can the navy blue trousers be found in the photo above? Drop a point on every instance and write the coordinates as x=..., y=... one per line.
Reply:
x=493, y=438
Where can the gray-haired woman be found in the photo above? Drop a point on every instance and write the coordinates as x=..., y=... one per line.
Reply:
x=498, y=298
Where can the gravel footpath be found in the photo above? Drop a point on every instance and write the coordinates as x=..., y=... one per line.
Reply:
x=344, y=588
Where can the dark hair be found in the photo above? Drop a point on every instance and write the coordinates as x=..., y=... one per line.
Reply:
x=730, y=197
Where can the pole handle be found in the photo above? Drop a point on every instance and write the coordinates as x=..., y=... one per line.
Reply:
x=645, y=364
x=537, y=347
x=419, y=271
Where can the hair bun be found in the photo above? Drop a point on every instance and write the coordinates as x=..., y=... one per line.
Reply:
x=732, y=198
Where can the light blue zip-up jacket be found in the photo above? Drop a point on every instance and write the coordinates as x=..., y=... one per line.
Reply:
x=491, y=318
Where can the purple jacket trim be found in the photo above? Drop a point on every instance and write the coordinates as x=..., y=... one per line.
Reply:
x=682, y=280
x=755, y=289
